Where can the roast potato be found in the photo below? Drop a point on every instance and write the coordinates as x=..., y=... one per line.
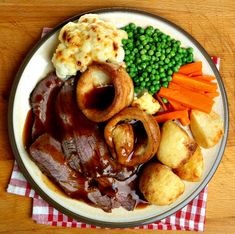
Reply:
x=175, y=147
x=159, y=185
x=207, y=129
x=192, y=170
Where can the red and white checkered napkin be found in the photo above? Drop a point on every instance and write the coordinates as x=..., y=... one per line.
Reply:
x=191, y=217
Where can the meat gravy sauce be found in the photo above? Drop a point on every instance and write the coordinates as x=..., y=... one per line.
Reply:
x=71, y=151
x=100, y=97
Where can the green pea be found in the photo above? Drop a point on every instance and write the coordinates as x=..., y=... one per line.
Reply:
x=180, y=50
x=141, y=31
x=132, y=26
x=147, y=47
x=148, y=84
x=152, y=89
x=135, y=50
x=154, y=71
x=130, y=34
x=162, y=75
x=157, y=77
x=124, y=41
x=190, y=50
x=165, y=84
x=162, y=57
x=150, y=52
x=140, y=47
x=167, y=60
x=143, y=57
x=142, y=84
x=169, y=78
x=164, y=100
x=168, y=50
x=143, y=51
x=172, y=53
x=161, y=69
x=189, y=60
x=156, y=66
x=157, y=87
x=169, y=72
x=136, y=89
x=175, y=69
x=158, y=54
x=145, y=74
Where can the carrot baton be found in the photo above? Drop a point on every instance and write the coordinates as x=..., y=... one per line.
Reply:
x=212, y=95
x=173, y=85
x=188, y=98
x=205, y=77
x=178, y=106
x=198, y=73
x=189, y=82
x=171, y=115
x=191, y=68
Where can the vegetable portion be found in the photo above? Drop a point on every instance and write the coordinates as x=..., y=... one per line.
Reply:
x=193, y=83
x=188, y=98
x=152, y=57
x=180, y=114
x=191, y=68
x=176, y=147
x=207, y=129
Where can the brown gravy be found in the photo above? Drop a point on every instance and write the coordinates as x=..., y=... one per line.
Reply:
x=27, y=130
x=100, y=97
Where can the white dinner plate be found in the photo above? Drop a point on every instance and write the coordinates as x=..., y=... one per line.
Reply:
x=36, y=66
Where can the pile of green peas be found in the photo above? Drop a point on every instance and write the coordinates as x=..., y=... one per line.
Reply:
x=152, y=57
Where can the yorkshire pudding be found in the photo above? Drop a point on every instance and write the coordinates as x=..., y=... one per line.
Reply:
x=103, y=90
x=133, y=136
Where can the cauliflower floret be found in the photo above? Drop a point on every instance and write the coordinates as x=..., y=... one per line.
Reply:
x=147, y=103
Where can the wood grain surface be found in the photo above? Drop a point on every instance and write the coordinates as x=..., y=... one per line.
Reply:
x=211, y=22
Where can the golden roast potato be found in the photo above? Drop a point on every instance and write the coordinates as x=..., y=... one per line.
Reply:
x=207, y=129
x=159, y=185
x=193, y=169
x=176, y=147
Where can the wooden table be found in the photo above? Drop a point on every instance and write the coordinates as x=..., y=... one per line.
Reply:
x=211, y=22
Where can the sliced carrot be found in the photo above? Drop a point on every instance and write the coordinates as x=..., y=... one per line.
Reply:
x=164, y=107
x=212, y=95
x=201, y=79
x=178, y=106
x=173, y=85
x=191, y=68
x=188, y=98
x=192, y=83
x=198, y=73
x=171, y=115
x=205, y=78
x=185, y=121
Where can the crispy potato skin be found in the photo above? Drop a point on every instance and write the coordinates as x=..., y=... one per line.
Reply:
x=159, y=185
x=207, y=129
x=175, y=147
x=193, y=169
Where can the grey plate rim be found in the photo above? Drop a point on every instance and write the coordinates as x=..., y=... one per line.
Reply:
x=83, y=218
